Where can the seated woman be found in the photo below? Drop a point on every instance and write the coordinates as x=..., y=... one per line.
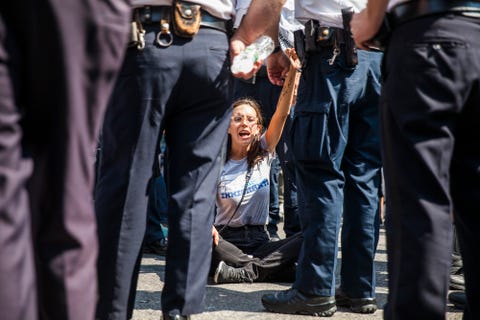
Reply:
x=242, y=250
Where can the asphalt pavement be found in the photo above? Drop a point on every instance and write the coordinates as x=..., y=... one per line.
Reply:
x=242, y=301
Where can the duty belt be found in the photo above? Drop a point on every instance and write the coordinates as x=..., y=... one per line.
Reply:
x=153, y=14
x=415, y=9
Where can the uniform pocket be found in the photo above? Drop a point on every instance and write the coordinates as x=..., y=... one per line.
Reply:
x=310, y=141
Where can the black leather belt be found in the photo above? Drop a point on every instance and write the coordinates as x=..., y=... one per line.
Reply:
x=153, y=14
x=415, y=9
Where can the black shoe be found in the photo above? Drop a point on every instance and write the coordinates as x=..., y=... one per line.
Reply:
x=458, y=299
x=226, y=274
x=457, y=264
x=357, y=305
x=274, y=236
x=457, y=280
x=293, y=301
x=156, y=247
x=272, y=232
x=174, y=317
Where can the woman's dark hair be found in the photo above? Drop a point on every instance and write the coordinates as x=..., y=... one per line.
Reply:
x=256, y=153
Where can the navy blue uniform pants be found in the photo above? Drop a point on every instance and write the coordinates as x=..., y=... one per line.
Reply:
x=336, y=146
x=185, y=89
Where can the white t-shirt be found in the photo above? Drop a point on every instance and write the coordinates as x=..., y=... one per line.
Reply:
x=254, y=207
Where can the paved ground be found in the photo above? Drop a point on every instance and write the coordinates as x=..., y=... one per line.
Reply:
x=242, y=301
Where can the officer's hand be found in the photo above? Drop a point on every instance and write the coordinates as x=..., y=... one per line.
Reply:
x=364, y=28
x=277, y=67
x=237, y=45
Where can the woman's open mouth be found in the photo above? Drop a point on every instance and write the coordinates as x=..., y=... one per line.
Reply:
x=244, y=134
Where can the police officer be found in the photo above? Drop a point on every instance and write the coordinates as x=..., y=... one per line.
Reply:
x=58, y=62
x=336, y=149
x=175, y=77
x=431, y=148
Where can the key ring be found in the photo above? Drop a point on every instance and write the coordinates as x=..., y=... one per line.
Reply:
x=164, y=37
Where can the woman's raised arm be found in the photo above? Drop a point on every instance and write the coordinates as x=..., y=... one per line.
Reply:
x=285, y=101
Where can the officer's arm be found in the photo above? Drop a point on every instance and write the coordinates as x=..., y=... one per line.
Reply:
x=262, y=18
x=364, y=25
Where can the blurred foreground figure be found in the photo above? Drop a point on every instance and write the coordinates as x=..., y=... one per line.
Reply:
x=430, y=116
x=58, y=62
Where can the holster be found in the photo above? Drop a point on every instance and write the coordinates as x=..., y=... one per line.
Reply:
x=186, y=18
x=299, y=44
x=351, y=58
x=317, y=38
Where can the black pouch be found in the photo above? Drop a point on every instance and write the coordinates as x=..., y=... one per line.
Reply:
x=186, y=18
x=317, y=36
x=325, y=36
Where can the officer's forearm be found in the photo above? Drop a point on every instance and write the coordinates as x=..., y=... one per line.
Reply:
x=376, y=9
x=262, y=18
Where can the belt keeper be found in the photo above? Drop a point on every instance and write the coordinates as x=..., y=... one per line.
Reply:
x=147, y=14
